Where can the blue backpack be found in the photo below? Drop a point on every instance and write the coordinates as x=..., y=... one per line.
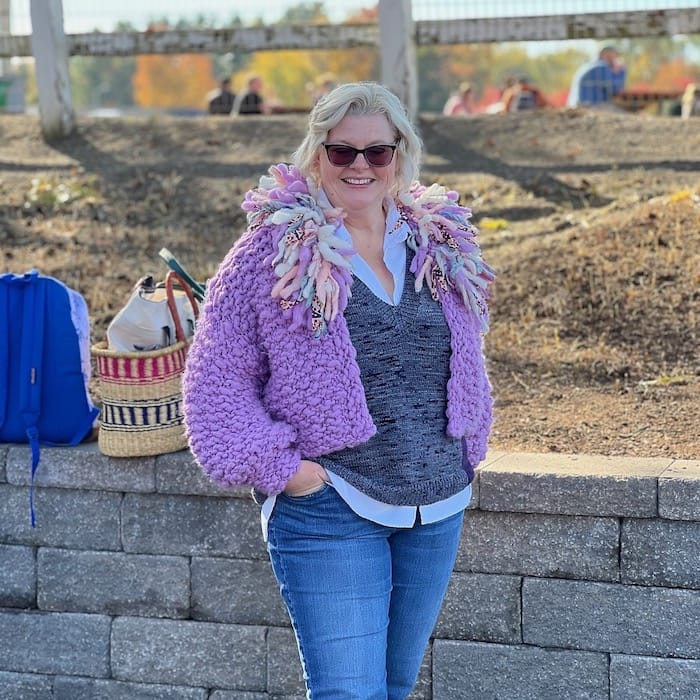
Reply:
x=44, y=365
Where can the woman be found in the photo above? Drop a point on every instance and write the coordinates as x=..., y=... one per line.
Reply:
x=338, y=370
x=460, y=104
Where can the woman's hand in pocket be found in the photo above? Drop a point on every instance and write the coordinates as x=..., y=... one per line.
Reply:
x=310, y=477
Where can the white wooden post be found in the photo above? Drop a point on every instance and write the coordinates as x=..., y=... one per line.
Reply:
x=398, y=52
x=4, y=29
x=50, y=49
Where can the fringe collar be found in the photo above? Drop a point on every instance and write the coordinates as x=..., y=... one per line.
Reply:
x=312, y=263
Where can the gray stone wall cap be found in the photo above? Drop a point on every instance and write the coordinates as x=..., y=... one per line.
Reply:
x=686, y=469
x=575, y=465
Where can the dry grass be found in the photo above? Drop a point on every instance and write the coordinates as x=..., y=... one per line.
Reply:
x=595, y=236
x=618, y=299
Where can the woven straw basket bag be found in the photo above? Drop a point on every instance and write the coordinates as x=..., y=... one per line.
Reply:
x=142, y=392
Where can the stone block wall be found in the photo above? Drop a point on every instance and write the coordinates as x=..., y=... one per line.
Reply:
x=577, y=577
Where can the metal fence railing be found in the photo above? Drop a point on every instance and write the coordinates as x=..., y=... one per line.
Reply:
x=108, y=15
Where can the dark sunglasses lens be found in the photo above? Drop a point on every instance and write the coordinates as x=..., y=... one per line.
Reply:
x=341, y=155
x=379, y=156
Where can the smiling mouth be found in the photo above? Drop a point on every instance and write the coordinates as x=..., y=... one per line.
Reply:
x=358, y=180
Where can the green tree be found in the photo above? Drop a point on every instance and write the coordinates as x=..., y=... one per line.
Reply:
x=305, y=13
x=102, y=81
x=233, y=62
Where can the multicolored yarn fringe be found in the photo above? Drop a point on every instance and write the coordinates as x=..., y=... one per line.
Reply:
x=447, y=255
x=313, y=264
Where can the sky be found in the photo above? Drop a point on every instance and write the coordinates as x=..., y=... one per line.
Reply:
x=88, y=15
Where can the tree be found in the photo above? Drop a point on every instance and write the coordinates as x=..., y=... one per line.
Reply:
x=304, y=13
x=288, y=74
x=172, y=81
x=229, y=63
x=674, y=74
x=100, y=81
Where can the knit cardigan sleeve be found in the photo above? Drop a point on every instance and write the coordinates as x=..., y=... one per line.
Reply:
x=233, y=437
x=470, y=410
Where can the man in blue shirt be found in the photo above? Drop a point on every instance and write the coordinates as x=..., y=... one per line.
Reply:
x=597, y=82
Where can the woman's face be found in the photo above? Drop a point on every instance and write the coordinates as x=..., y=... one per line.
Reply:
x=358, y=186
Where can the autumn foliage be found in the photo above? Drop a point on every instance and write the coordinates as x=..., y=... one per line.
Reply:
x=172, y=81
x=289, y=75
x=183, y=81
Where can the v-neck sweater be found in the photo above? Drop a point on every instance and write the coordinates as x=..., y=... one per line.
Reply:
x=403, y=352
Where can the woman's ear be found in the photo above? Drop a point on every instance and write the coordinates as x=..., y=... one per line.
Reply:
x=315, y=170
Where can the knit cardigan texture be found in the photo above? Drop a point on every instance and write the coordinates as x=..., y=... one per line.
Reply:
x=271, y=375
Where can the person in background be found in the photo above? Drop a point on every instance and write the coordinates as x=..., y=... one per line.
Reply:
x=337, y=369
x=690, y=101
x=523, y=96
x=497, y=106
x=596, y=83
x=460, y=103
x=251, y=100
x=221, y=101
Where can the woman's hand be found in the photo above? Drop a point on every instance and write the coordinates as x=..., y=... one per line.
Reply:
x=310, y=477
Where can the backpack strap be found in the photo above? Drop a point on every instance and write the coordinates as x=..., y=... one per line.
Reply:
x=31, y=374
x=80, y=434
x=4, y=350
x=32, y=347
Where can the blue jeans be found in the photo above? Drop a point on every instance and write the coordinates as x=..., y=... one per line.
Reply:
x=363, y=598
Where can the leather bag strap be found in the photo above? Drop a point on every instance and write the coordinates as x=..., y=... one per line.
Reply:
x=171, y=279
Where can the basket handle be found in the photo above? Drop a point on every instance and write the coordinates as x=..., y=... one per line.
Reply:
x=171, y=278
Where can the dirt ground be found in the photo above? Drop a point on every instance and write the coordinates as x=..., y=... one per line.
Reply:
x=592, y=221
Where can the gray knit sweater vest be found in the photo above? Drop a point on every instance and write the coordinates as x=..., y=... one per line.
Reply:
x=404, y=354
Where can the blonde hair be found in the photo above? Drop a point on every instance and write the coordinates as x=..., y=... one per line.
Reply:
x=359, y=99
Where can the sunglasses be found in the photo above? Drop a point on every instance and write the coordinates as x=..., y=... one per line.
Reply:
x=378, y=156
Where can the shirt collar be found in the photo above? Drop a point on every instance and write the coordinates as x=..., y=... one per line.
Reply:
x=395, y=232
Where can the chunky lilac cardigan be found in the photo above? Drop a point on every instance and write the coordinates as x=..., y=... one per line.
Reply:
x=271, y=376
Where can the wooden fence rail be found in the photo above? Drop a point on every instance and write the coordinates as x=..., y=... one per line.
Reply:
x=343, y=36
x=395, y=35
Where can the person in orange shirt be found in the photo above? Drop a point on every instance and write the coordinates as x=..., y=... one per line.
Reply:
x=522, y=96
